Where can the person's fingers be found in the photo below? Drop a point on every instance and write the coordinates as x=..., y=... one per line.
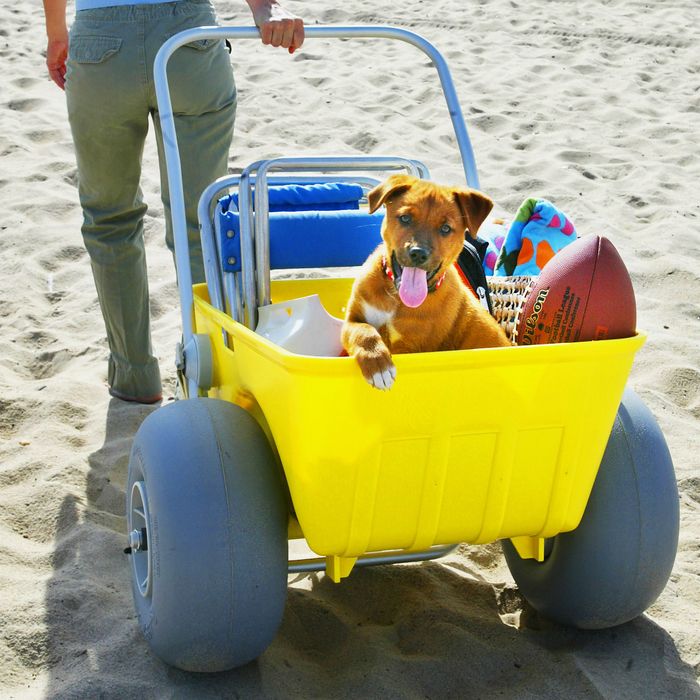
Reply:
x=58, y=77
x=56, y=56
x=59, y=80
x=297, y=36
x=266, y=33
x=280, y=28
x=287, y=33
x=276, y=36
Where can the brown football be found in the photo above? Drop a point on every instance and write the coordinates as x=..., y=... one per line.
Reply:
x=583, y=293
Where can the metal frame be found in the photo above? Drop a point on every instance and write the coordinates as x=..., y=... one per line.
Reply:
x=172, y=156
x=255, y=226
x=319, y=564
x=225, y=288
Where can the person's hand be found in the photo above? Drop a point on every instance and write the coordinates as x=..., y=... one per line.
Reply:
x=56, y=54
x=278, y=27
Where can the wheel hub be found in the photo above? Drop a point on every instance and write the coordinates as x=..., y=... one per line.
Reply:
x=139, y=524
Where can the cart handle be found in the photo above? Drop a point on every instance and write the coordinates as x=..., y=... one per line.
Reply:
x=172, y=156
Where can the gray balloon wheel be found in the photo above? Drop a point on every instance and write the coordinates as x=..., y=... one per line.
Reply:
x=207, y=522
x=616, y=563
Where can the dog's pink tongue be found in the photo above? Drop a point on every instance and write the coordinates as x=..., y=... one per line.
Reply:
x=414, y=286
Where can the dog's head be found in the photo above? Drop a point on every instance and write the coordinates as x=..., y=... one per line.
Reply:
x=424, y=229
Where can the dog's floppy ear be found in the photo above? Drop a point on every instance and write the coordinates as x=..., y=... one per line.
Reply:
x=475, y=207
x=392, y=185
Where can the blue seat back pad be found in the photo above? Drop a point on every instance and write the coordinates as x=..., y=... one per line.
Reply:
x=309, y=238
x=312, y=197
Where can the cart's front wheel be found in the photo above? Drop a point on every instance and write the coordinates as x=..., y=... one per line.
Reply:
x=207, y=522
x=617, y=562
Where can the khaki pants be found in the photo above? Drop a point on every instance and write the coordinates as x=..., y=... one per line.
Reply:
x=111, y=95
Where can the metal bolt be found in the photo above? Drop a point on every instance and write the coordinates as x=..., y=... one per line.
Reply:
x=231, y=260
x=135, y=540
x=230, y=234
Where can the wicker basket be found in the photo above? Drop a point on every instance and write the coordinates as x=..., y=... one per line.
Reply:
x=507, y=296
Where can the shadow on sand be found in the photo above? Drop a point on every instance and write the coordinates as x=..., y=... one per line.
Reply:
x=410, y=631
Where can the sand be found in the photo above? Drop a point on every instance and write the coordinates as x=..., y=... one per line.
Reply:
x=593, y=105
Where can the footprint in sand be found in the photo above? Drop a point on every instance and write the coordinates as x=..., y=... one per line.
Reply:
x=690, y=488
x=45, y=136
x=27, y=105
x=38, y=338
x=49, y=363
x=14, y=413
x=315, y=82
x=363, y=142
x=683, y=386
x=23, y=82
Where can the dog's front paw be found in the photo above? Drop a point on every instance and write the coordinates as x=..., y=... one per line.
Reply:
x=377, y=368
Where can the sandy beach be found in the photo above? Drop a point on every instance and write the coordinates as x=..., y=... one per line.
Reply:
x=593, y=105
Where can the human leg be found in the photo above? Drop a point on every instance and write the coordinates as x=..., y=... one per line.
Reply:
x=203, y=96
x=109, y=119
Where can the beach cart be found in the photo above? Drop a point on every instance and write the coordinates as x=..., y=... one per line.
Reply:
x=565, y=466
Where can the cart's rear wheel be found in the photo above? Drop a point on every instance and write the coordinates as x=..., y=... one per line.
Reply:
x=207, y=520
x=617, y=562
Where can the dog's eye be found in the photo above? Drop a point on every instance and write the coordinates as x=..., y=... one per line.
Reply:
x=445, y=229
x=405, y=218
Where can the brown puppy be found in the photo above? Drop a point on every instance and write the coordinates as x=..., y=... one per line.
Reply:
x=409, y=297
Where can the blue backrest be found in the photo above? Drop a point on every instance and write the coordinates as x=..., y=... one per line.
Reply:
x=321, y=196
x=309, y=238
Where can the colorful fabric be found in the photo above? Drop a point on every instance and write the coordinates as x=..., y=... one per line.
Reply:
x=494, y=233
x=538, y=232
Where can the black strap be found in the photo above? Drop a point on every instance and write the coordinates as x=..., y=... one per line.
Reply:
x=471, y=263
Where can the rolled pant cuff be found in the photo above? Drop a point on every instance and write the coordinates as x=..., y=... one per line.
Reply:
x=134, y=380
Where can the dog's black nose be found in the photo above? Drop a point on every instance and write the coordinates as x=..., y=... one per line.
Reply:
x=418, y=255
